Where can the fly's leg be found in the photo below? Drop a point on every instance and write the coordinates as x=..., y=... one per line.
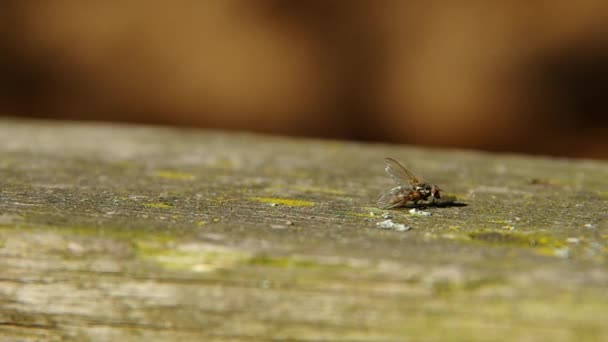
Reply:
x=422, y=204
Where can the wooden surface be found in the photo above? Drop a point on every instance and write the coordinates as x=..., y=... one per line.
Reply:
x=129, y=233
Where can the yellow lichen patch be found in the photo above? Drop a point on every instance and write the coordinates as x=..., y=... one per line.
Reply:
x=283, y=201
x=158, y=205
x=374, y=210
x=515, y=239
x=321, y=190
x=174, y=175
x=549, y=182
x=196, y=257
x=370, y=214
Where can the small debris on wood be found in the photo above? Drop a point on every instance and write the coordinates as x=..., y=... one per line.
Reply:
x=573, y=240
x=387, y=216
x=416, y=212
x=563, y=253
x=389, y=224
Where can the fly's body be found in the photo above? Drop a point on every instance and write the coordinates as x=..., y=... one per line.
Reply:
x=410, y=189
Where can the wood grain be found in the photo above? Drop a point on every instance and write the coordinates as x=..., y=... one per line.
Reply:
x=132, y=233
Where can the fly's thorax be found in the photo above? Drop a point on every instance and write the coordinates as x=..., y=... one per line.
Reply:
x=424, y=189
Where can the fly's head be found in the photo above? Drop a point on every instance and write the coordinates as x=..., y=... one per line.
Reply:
x=435, y=192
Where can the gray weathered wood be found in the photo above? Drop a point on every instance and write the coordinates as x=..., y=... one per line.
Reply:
x=130, y=233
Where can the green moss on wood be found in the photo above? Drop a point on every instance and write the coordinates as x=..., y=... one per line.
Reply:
x=165, y=234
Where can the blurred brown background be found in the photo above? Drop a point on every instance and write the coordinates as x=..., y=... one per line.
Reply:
x=522, y=76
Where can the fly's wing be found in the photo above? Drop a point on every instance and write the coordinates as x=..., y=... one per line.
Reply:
x=390, y=200
x=399, y=173
x=397, y=197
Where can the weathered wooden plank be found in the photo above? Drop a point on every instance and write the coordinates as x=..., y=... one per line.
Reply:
x=132, y=233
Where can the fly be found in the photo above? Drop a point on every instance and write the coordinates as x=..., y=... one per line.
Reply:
x=409, y=189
